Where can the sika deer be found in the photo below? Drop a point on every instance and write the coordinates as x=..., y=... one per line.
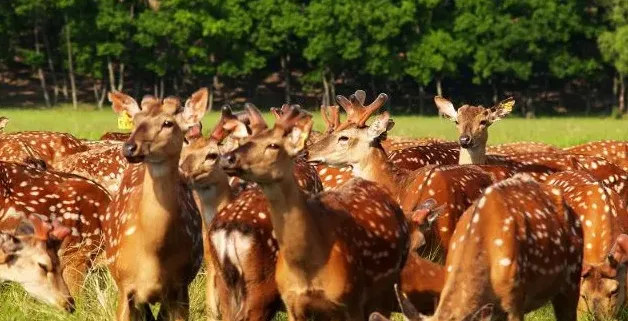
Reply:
x=604, y=218
x=526, y=249
x=473, y=122
x=359, y=146
x=521, y=147
x=336, y=254
x=50, y=147
x=29, y=257
x=614, y=151
x=153, y=216
x=76, y=202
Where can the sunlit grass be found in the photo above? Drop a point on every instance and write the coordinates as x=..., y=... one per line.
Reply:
x=98, y=300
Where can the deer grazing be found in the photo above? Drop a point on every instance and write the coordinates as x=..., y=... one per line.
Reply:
x=358, y=146
x=28, y=256
x=74, y=201
x=604, y=218
x=152, y=228
x=526, y=249
x=337, y=255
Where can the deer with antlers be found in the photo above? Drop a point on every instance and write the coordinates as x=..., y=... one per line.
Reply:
x=153, y=216
x=603, y=216
x=526, y=245
x=74, y=201
x=28, y=256
x=334, y=258
x=358, y=145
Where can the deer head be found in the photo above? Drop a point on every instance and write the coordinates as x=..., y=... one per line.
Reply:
x=159, y=125
x=421, y=221
x=603, y=287
x=473, y=121
x=29, y=257
x=268, y=156
x=349, y=145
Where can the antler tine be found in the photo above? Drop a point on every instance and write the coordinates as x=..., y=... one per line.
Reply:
x=335, y=116
x=219, y=133
x=257, y=122
x=372, y=108
x=291, y=116
x=361, y=96
x=346, y=105
x=324, y=113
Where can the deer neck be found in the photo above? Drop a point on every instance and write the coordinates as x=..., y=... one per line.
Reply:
x=376, y=167
x=298, y=234
x=160, y=197
x=213, y=198
x=475, y=155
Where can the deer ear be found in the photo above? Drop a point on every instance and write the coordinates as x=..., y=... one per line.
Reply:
x=236, y=128
x=8, y=246
x=297, y=137
x=619, y=251
x=121, y=102
x=502, y=109
x=194, y=109
x=382, y=124
x=446, y=108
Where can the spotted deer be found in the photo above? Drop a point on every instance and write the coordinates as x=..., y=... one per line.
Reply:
x=115, y=136
x=526, y=247
x=51, y=147
x=28, y=256
x=614, y=151
x=359, y=146
x=338, y=251
x=603, y=217
x=521, y=147
x=473, y=123
x=76, y=202
x=153, y=216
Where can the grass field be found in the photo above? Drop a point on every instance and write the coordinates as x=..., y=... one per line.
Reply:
x=98, y=300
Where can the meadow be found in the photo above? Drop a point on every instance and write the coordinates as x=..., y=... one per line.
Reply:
x=98, y=300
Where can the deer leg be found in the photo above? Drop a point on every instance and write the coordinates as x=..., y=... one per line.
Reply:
x=212, y=294
x=127, y=310
x=566, y=306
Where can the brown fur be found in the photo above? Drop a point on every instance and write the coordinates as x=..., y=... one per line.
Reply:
x=324, y=265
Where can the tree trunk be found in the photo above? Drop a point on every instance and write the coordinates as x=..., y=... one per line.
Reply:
x=421, y=100
x=622, y=95
x=495, y=91
x=64, y=88
x=588, y=97
x=100, y=91
x=332, y=89
x=325, y=91
x=70, y=63
x=51, y=66
x=121, y=77
x=161, y=88
x=285, y=67
x=40, y=71
x=112, y=78
x=439, y=86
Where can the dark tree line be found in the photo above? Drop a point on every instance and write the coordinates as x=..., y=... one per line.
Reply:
x=549, y=53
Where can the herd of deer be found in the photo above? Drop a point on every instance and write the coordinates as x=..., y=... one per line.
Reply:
x=332, y=225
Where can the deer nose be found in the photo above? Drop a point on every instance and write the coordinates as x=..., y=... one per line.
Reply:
x=465, y=140
x=128, y=149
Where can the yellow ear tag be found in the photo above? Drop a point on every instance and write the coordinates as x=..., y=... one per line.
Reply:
x=125, y=121
x=507, y=106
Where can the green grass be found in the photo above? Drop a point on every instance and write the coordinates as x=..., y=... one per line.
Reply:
x=99, y=300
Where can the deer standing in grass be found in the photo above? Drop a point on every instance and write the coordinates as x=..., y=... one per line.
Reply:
x=526, y=248
x=603, y=217
x=29, y=257
x=335, y=259
x=359, y=146
x=152, y=227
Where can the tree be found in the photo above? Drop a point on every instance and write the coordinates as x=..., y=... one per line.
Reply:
x=613, y=44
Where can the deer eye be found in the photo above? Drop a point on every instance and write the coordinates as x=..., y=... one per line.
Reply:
x=43, y=266
x=167, y=124
x=483, y=122
x=343, y=139
x=273, y=146
x=211, y=156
